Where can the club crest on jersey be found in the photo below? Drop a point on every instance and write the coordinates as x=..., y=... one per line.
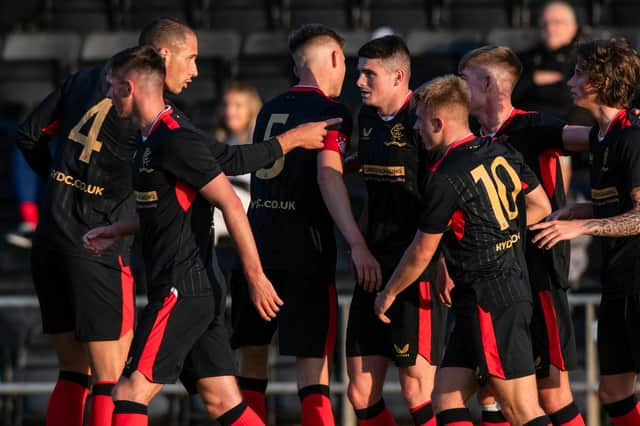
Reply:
x=146, y=162
x=397, y=133
x=342, y=143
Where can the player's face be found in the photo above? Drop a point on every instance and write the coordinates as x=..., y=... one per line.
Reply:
x=582, y=91
x=120, y=94
x=375, y=82
x=476, y=84
x=180, y=63
x=237, y=111
x=427, y=126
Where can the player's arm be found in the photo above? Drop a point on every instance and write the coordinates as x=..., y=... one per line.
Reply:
x=414, y=261
x=575, y=138
x=241, y=159
x=336, y=198
x=622, y=225
x=34, y=134
x=537, y=204
x=97, y=240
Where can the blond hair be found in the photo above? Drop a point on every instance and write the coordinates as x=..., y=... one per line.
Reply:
x=446, y=91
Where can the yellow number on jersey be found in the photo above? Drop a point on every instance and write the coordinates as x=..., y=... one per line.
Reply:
x=278, y=165
x=90, y=142
x=497, y=190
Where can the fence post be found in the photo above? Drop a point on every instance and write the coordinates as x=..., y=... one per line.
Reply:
x=593, y=403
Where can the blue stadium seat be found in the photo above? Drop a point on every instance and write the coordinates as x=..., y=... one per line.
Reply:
x=400, y=15
x=265, y=62
x=476, y=14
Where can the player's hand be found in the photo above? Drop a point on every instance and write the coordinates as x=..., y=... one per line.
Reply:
x=552, y=232
x=264, y=297
x=99, y=239
x=444, y=283
x=367, y=268
x=308, y=135
x=382, y=304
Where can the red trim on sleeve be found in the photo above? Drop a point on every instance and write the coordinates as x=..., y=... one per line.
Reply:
x=336, y=141
x=424, y=320
x=330, y=339
x=156, y=334
x=489, y=344
x=553, y=334
x=128, y=302
x=185, y=194
x=525, y=185
x=548, y=163
x=52, y=128
x=457, y=224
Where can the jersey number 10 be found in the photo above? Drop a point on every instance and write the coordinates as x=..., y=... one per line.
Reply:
x=504, y=209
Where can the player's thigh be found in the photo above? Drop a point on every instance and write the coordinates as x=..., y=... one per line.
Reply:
x=104, y=296
x=53, y=287
x=210, y=356
x=169, y=327
x=366, y=334
x=248, y=327
x=308, y=318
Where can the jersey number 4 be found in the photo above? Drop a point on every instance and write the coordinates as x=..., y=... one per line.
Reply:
x=90, y=142
x=278, y=165
x=504, y=209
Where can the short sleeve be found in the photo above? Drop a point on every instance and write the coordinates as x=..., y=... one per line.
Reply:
x=339, y=135
x=188, y=157
x=630, y=157
x=440, y=201
x=528, y=178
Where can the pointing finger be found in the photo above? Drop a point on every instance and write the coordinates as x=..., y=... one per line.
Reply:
x=332, y=121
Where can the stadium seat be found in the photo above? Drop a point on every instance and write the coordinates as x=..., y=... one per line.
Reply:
x=100, y=46
x=437, y=52
x=476, y=14
x=217, y=58
x=622, y=13
x=518, y=39
x=400, y=15
x=335, y=13
x=79, y=15
x=18, y=15
x=245, y=16
x=587, y=11
x=632, y=34
x=138, y=13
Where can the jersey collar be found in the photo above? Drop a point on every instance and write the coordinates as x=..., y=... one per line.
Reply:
x=504, y=124
x=622, y=114
x=406, y=103
x=154, y=125
x=301, y=88
x=451, y=147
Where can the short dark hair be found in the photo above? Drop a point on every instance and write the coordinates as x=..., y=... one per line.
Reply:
x=163, y=30
x=308, y=32
x=141, y=58
x=613, y=69
x=384, y=48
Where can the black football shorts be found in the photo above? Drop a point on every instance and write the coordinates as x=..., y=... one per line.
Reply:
x=93, y=297
x=181, y=337
x=618, y=342
x=495, y=342
x=306, y=323
x=552, y=333
x=417, y=325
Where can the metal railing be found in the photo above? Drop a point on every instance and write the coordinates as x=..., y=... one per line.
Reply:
x=589, y=386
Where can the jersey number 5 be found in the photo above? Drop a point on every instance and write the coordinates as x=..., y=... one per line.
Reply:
x=503, y=208
x=278, y=165
x=90, y=142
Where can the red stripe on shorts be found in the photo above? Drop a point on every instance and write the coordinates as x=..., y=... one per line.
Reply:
x=424, y=320
x=330, y=340
x=489, y=344
x=154, y=339
x=126, y=286
x=553, y=334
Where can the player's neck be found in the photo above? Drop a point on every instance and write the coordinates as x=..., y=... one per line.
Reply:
x=604, y=115
x=394, y=103
x=456, y=135
x=149, y=113
x=308, y=79
x=492, y=119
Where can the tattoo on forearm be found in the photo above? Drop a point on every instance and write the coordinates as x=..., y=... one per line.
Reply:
x=623, y=225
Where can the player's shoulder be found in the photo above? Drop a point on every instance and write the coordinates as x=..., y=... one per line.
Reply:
x=86, y=83
x=526, y=120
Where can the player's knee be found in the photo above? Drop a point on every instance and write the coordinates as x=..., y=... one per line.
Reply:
x=412, y=393
x=608, y=393
x=360, y=394
x=552, y=400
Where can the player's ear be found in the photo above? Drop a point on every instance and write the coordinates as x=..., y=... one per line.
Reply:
x=399, y=76
x=437, y=124
x=334, y=59
x=164, y=52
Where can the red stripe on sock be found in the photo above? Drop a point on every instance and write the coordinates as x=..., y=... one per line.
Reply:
x=66, y=404
x=486, y=423
x=330, y=340
x=128, y=302
x=384, y=418
x=248, y=418
x=462, y=423
x=317, y=411
x=129, y=419
x=154, y=339
x=632, y=418
x=29, y=212
x=257, y=401
x=101, y=411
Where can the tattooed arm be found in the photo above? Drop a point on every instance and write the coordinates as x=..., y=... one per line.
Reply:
x=622, y=225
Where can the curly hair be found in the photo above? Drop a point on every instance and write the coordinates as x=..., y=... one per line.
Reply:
x=612, y=68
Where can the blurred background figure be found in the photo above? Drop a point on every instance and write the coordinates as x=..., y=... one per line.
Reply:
x=234, y=123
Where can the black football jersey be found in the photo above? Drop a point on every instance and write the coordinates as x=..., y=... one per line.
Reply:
x=89, y=178
x=290, y=222
x=170, y=167
x=615, y=171
x=538, y=137
x=475, y=194
x=392, y=159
